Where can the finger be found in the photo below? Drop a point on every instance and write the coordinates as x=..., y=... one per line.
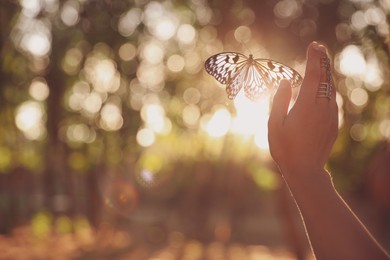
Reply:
x=334, y=89
x=311, y=80
x=325, y=87
x=280, y=105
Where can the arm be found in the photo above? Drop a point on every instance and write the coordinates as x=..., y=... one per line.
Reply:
x=300, y=143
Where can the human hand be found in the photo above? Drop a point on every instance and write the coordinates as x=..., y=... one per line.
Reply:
x=301, y=139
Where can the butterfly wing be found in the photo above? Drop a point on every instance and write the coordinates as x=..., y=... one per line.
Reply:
x=255, y=85
x=229, y=68
x=267, y=75
x=273, y=72
x=239, y=79
x=257, y=76
x=249, y=78
x=225, y=66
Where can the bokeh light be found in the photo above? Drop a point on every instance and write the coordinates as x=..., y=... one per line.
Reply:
x=92, y=103
x=384, y=128
x=352, y=61
x=127, y=52
x=111, y=117
x=145, y=137
x=186, y=34
x=30, y=8
x=287, y=9
x=160, y=22
x=37, y=44
x=154, y=117
x=153, y=52
x=129, y=21
x=191, y=115
x=243, y=34
x=30, y=117
x=80, y=133
x=70, y=13
x=39, y=89
x=103, y=75
x=120, y=197
x=358, y=132
x=175, y=63
x=359, y=97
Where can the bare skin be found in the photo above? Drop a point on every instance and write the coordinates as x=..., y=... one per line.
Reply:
x=300, y=143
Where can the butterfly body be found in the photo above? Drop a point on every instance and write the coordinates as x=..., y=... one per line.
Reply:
x=257, y=76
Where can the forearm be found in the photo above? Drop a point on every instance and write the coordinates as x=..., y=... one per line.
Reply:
x=334, y=231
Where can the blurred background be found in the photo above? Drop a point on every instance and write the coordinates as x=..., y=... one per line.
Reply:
x=116, y=144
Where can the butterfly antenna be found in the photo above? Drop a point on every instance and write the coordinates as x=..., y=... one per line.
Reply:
x=246, y=48
x=256, y=52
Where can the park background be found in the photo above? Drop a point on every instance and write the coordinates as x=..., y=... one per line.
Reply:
x=116, y=144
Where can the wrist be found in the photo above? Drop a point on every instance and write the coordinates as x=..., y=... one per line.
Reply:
x=306, y=178
x=299, y=170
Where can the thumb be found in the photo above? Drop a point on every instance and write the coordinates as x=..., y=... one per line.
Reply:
x=280, y=105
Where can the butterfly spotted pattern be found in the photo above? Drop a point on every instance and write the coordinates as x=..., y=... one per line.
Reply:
x=257, y=76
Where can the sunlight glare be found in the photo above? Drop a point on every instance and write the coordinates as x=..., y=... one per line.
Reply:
x=251, y=119
x=219, y=123
x=250, y=115
x=261, y=139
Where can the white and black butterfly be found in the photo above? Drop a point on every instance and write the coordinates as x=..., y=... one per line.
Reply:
x=257, y=76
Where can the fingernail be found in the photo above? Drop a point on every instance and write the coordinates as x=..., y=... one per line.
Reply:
x=319, y=47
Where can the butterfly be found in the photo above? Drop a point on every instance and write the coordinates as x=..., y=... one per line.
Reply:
x=257, y=76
